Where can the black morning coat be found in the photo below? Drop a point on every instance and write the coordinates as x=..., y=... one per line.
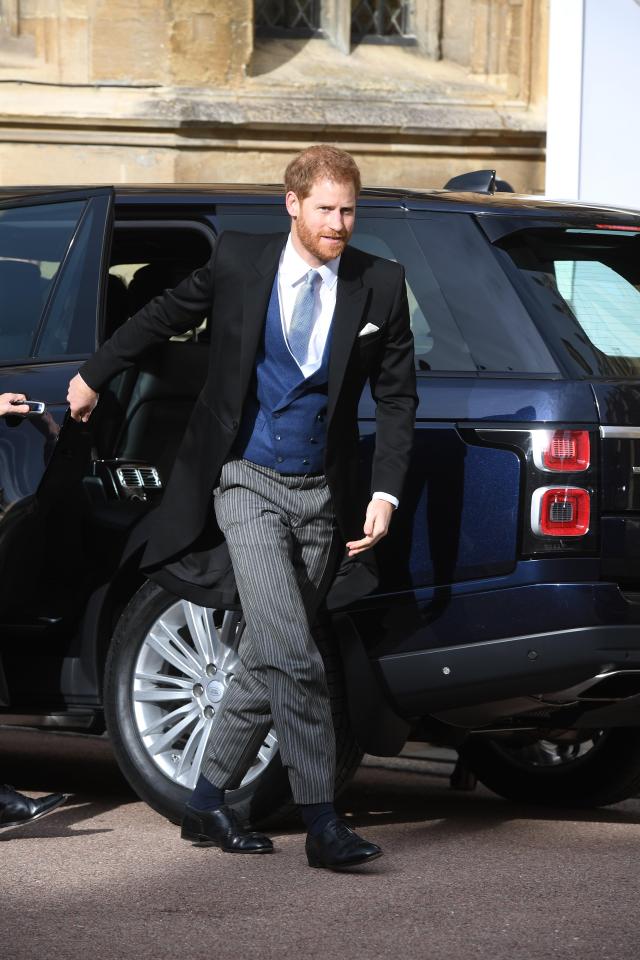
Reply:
x=185, y=551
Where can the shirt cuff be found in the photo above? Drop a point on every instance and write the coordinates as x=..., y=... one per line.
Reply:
x=386, y=496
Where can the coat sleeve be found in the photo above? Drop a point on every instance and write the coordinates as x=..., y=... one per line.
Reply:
x=175, y=311
x=393, y=387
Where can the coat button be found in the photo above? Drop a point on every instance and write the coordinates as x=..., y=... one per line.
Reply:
x=320, y=417
x=305, y=462
x=312, y=440
x=234, y=424
x=277, y=436
x=279, y=459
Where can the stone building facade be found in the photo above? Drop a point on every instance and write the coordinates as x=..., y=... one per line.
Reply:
x=100, y=91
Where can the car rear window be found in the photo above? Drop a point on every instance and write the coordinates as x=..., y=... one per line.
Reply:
x=585, y=284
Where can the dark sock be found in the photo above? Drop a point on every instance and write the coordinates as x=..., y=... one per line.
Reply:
x=316, y=816
x=206, y=796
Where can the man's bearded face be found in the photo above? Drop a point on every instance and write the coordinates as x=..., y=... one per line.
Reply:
x=323, y=221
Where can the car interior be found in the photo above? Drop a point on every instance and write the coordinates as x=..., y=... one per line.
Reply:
x=144, y=410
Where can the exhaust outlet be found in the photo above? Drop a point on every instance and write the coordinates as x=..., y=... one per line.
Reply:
x=613, y=685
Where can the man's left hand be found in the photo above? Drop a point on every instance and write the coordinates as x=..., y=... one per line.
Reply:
x=376, y=526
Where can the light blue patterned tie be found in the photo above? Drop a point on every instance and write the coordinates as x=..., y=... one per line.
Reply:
x=302, y=318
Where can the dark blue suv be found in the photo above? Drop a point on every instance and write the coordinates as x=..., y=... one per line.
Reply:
x=507, y=618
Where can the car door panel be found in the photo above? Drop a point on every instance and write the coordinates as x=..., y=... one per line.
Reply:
x=42, y=456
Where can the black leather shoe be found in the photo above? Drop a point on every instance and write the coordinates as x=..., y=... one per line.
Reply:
x=220, y=828
x=339, y=847
x=16, y=809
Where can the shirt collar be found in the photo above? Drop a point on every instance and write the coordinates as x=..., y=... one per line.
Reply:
x=293, y=268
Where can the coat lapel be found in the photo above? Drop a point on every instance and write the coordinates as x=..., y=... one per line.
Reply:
x=257, y=290
x=350, y=301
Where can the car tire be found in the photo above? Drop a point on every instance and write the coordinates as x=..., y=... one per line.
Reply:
x=602, y=769
x=146, y=626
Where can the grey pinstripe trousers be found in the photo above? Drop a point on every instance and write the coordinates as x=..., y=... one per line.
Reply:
x=279, y=530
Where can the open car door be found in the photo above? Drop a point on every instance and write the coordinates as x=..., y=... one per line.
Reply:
x=54, y=249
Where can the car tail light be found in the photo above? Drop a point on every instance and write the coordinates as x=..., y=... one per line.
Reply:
x=617, y=226
x=561, y=451
x=560, y=511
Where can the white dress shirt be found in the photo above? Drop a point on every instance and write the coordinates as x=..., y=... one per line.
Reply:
x=291, y=274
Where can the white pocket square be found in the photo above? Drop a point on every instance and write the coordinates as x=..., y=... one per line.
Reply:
x=368, y=328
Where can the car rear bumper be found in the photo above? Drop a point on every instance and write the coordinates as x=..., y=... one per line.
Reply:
x=425, y=681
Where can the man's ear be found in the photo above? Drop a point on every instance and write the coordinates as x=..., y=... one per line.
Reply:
x=292, y=204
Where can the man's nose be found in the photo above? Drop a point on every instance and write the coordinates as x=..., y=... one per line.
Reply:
x=336, y=220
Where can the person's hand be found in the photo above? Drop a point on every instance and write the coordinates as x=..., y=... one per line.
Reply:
x=81, y=398
x=376, y=526
x=6, y=406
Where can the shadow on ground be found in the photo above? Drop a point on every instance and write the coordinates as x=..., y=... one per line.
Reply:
x=49, y=762
x=85, y=768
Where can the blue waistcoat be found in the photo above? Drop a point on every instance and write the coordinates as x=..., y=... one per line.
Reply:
x=284, y=419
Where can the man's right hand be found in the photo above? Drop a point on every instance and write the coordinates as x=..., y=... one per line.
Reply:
x=81, y=398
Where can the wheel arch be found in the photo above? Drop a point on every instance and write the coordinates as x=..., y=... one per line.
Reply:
x=377, y=727
x=101, y=615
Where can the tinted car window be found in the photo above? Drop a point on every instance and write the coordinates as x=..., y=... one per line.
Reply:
x=589, y=282
x=263, y=219
x=69, y=328
x=499, y=332
x=33, y=243
x=438, y=342
x=465, y=314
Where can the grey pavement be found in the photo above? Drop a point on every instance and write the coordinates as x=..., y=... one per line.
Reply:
x=465, y=875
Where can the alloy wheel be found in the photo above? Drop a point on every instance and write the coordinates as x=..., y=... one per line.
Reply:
x=181, y=676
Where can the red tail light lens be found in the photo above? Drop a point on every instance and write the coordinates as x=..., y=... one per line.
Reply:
x=617, y=226
x=561, y=451
x=560, y=511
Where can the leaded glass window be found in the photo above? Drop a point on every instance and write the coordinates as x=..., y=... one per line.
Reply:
x=381, y=20
x=292, y=18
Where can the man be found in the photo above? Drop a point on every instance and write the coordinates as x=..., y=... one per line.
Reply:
x=298, y=324
x=15, y=808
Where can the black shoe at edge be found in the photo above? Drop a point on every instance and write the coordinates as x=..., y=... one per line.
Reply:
x=338, y=847
x=16, y=809
x=220, y=828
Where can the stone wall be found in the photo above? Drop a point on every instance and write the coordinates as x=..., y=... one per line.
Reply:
x=169, y=90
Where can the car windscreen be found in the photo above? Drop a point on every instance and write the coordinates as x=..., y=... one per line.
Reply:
x=583, y=285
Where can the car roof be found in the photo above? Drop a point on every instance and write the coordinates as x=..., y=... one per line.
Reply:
x=411, y=199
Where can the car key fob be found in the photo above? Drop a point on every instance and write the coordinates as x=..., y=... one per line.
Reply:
x=35, y=406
